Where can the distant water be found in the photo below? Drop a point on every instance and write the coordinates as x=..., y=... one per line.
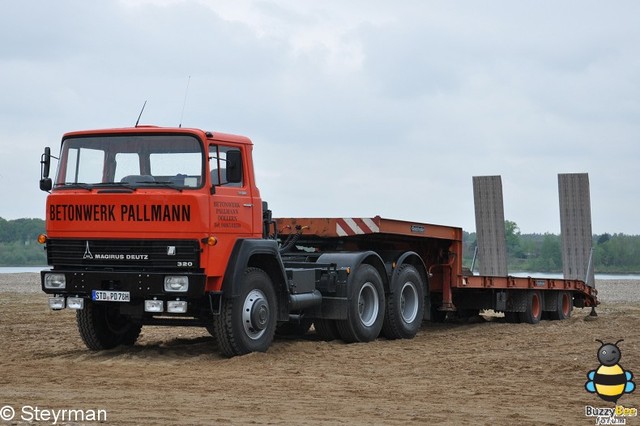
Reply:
x=20, y=269
x=598, y=276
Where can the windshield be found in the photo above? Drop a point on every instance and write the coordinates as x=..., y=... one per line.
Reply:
x=132, y=161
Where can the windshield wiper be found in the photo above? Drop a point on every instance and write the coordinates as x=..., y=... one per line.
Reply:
x=115, y=185
x=74, y=186
x=164, y=184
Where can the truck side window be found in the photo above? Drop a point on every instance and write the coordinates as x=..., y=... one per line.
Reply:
x=218, y=165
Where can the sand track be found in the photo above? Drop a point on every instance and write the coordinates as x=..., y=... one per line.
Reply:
x=484, y=373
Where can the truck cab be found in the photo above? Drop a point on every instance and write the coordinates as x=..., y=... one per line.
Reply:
x=141, y=223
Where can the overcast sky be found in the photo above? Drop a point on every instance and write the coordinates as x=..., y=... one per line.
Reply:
x=356, y=108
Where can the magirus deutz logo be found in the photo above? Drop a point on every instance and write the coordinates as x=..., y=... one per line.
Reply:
x=88, y=255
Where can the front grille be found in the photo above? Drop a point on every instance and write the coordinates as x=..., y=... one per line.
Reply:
x=124, y=254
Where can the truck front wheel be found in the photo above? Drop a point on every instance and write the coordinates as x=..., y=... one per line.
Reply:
x=247, y=323
x=103, y=327
x=365, y=312
x=405, y=306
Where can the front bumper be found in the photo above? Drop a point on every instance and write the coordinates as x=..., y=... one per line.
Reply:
x=140, y=285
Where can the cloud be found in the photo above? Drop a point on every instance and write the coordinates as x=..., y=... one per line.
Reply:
x=356, y=109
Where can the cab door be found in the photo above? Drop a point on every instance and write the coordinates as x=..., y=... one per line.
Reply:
x=230, y=203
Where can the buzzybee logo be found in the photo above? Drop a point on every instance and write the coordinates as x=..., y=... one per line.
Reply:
x=610, y=381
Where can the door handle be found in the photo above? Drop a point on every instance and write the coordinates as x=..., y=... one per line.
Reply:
x=248, y=205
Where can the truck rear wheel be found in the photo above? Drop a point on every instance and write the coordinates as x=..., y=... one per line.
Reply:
x=247, y=323
x=533, y=310
x=405, y=306
x=365, y=312
x=103, y=327
x=564, y=306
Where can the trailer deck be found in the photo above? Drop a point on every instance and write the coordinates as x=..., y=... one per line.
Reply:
x=445, y=275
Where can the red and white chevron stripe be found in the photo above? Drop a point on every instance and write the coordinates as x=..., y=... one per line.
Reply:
x=354, y=226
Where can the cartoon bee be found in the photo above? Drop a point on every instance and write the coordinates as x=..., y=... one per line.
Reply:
x=609, y=381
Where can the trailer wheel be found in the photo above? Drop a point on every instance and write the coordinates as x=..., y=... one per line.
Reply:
x=405, y=306
x=533, y=311
x=247, y=323
x=564, y=306
x=326, y=329
x=365, y=312
x=103, y=327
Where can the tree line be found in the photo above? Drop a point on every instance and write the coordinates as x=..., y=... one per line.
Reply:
x=612, y=253
x=18, y=242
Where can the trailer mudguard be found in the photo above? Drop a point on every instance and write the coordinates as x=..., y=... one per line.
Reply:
x=261, y=254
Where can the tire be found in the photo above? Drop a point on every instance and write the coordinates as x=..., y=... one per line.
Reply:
x=533, y=311
x=365, y=312
x=564, y=306
x=405, y=306
x=247, y=323
x=326, y=329
x=103, y=327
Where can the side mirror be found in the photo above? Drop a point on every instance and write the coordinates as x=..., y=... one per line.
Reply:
x=234, y=166
x=45, y=166
x=45, y=163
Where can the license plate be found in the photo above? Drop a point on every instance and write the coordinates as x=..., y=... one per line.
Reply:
x=110, y=296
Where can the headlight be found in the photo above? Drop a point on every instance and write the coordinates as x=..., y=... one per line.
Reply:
x=56, y=303
x=75, y=302
x=55, y=281
x=176, y=283
x=177, y=306
x=153, y=306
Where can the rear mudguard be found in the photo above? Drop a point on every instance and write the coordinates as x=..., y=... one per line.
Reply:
x=335, y=306
x=354, y=259
x=394, y=262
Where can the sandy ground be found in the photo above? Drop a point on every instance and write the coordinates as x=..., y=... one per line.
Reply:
x=483, y=373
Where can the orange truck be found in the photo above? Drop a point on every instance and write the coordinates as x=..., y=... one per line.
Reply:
x=165, y=226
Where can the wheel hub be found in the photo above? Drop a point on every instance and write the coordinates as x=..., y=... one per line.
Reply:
x=255, y=314
x=259, y=314
x=368, y=304
x=409, y=302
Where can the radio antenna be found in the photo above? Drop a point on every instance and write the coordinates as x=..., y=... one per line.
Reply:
x=184, y=103
x=140, y=115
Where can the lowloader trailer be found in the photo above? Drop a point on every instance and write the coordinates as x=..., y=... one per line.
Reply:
x=166, y=226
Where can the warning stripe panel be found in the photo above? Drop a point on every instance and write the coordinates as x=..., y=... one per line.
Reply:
x=366, y=223
x=355, y=226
